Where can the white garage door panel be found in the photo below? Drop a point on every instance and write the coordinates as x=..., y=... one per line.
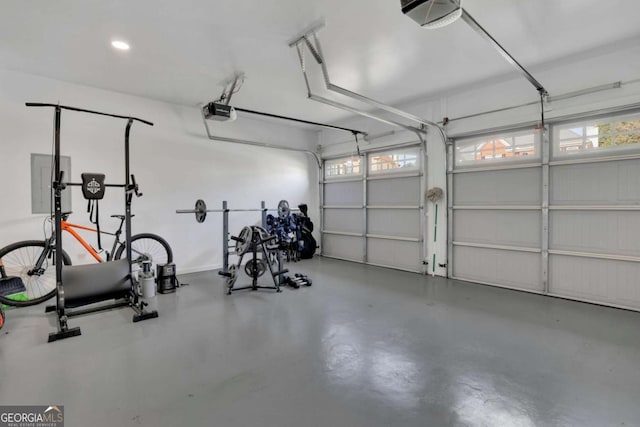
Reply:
x=396, y=191
x=598, y=280
x=344, y=247
x=382, y=202
x=520, y=270
x=608, y=183
x=596, y=231
x=392, y=253
x=394, y=222
x=343, y=193
x=514, y=228
x=503, y=187
x=347, y=220
x=587, y=243
x=629, y=182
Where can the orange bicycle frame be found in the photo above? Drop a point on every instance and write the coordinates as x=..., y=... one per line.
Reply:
x=69, y=227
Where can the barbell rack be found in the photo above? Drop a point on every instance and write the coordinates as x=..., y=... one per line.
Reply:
x=201, y=211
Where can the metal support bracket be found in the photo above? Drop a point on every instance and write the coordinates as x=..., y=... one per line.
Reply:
x=315, y=48
x=502, y=51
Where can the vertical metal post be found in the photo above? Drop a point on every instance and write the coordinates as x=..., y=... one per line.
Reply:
x=128, y=194
x=364, y=164
x=545, y=209
x=422, y=206
x=280, y=268
x=225, y=237
x=321, y=206
x=449, y=196
x=263, y=209
x=58, y=195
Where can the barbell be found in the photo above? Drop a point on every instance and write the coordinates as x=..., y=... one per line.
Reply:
x=200, y=210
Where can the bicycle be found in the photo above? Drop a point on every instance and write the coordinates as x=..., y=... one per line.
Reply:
x=33, y=260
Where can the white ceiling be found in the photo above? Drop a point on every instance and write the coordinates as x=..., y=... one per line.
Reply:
x=182, y=50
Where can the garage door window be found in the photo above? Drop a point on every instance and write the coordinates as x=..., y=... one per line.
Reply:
x=342, y=168
x=498, y=149
x=405, y=160
x=597, y=136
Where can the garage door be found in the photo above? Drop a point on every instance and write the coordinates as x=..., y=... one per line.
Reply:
x=594, y=219
x=556, y=214
x=372, y=211
x=496, y=207
x=344, y=210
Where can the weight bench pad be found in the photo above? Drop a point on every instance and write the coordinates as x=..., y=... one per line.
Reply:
x=95, y=282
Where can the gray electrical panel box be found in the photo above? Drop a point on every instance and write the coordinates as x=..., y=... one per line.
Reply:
x=41, y=177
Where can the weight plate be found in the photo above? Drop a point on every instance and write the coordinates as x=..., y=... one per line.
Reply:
x=243, y=245
x=255, y=268
x=283, y=209
x=201, y=210
x=233, y=275
x=255, y=234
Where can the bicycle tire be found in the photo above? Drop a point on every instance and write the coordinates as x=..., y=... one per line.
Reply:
x=152, y=246
x=18, y=259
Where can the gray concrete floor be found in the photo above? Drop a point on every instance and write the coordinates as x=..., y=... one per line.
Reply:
x=364, y=346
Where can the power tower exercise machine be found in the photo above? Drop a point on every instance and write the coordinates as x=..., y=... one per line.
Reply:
x=79, y=286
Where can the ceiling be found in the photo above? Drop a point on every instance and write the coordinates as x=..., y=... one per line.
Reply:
x=181, y=51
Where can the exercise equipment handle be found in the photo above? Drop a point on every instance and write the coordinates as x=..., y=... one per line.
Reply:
x=134, y=187
x=268, y=239
x=59, y=183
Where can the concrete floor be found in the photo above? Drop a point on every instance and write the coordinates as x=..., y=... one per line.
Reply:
x=364, y=346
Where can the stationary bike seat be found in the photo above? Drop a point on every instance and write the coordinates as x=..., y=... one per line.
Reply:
x=120, y=216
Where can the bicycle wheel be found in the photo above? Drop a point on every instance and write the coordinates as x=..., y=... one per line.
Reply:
x=147, y=246
x=19, y=260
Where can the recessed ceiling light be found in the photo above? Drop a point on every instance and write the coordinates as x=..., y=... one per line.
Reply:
x=120, y=45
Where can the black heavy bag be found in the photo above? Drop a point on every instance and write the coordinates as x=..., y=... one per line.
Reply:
x=309, y=246
x=307, y=224
x=305, y=221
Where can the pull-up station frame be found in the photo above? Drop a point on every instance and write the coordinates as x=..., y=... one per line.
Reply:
x=58, y=185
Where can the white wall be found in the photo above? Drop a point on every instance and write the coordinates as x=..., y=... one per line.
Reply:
x=600, y=66
x=174, y=163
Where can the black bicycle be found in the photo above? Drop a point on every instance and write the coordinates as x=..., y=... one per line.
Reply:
x=27, y=268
